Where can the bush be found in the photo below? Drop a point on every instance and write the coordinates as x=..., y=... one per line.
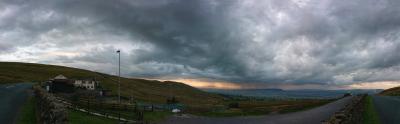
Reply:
x=347, y=94
x=172, y=100
x=233, y=105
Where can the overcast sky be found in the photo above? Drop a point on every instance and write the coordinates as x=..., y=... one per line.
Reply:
x=220, y=43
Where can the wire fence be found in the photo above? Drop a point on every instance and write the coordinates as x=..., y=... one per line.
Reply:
x=128, y=112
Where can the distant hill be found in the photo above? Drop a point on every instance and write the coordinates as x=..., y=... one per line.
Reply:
x=395, y=91
x=292, y=93
x=267, y=89
x=144, y=90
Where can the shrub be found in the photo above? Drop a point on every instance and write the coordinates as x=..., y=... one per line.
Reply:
x=233, y=105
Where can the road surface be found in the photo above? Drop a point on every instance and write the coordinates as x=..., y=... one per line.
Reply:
x=388, y=109
x=12, y=97
x=312, y=116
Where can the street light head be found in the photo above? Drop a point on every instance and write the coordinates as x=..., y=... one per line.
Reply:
x=118, y=51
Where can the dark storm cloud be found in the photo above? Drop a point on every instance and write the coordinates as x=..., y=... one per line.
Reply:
x=231, y=40
x=184, y=33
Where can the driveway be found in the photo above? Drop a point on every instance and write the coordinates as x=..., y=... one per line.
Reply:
x=312, y=116
x=388, y=109
x=12, y=97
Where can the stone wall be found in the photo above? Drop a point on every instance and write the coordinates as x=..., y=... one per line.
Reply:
x=351, y=113
x=48, y=109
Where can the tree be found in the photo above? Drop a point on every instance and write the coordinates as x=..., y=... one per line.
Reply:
x=172, y=100
x=233, y=105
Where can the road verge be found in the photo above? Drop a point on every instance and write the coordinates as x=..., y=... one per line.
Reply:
x=351, y=113
x=369, y=115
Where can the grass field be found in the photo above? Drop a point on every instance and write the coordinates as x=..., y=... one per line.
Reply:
x=27, y=112
x=77, y=117
x=148, y=116
x=156, y=116
x=246, y=108
x=370, y=116
x=395, y=91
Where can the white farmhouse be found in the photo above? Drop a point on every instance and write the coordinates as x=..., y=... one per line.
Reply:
x=89, y=84
x=60, y=77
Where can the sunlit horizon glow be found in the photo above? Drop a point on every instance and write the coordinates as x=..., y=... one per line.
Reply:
x=209, y=84
x=375, y=85
x=206, y=84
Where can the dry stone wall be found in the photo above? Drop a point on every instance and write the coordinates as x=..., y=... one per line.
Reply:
x=49, y=110
x=350, y=114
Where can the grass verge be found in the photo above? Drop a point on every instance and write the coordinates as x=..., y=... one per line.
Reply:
x=77, y=117
x=27, y=112
x=156, y=116
x=148, y=116
x=370, y=116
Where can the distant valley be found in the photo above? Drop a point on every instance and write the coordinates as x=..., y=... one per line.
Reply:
x=296, y=94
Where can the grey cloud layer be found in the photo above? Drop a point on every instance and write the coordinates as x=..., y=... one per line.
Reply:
x=237, y=41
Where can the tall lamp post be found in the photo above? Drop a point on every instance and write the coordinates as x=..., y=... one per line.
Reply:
x=119, y=81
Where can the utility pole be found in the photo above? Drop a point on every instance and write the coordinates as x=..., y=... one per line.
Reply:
x=119, y=81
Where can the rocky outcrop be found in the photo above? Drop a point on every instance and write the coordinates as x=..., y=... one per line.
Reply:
x=49, y=110
x=350, y=114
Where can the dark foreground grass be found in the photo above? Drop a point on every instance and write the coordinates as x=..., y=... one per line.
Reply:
x=370, y=116
x=148, y=116
x=156, y=116
x=27, y=113
x=77, y=117
x=27, y=116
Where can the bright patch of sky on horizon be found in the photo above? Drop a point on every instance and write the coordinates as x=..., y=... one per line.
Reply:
x=293, y=44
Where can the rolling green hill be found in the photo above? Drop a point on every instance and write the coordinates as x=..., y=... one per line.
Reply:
x=144, y=90
x=395, y=91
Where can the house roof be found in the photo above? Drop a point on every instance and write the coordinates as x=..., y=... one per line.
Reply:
x=86, y=79
x=60, y=77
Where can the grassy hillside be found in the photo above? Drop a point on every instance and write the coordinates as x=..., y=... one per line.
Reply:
x=145, y=90
x=395, y=91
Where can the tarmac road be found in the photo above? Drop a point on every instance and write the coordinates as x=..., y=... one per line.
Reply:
x=312, y=116
x=388, y=109
x=12, y=97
